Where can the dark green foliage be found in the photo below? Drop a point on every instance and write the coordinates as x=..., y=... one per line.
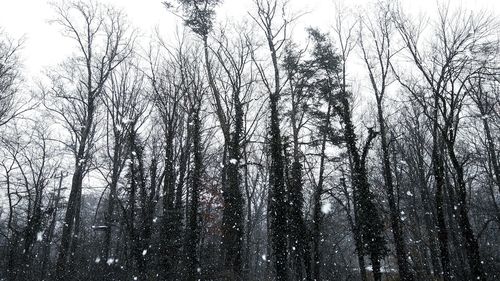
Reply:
x=193, y=225
x=367, y=217
x=233, y=200
x=198, y=14
x=297, y=74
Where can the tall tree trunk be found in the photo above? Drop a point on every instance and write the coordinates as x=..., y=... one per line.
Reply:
x=111, y=202
x=34, y=223
x=73, y=208
x=149, y=205
x=297, y=225
x=68, y=224
x=317, y=216
x=277, y=193
x=399, y=243
x=130, y=214
x=492, y=151
x=193, y=235
x=355, y=228
x=170, y=222
x=471, y=245
x=145, y=220
x=485, y=108
x=50, y=231
x=490, y=146
x=233, y=198
x=438, y=168
x=429, y=214
x=368, y=217
x=76, y=237
x=232, y=217
x=299, y=260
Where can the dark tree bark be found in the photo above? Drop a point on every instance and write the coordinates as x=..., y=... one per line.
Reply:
x=438, y=168
x=380, y=31
x=233, y=211
x=199, y=16
x=485, y=105
x=457, y=34
x=233, y=60
x=416, y=156
x=277, y=208
x=326, y=134
x=471, y=245
x=297, y=75
x=169, y=81
x=50, y=231
x=193, y=231
x=367, y=215
x=78, y=108
x=317, y=215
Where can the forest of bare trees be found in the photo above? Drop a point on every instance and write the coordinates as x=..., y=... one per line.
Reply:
x=362, y=150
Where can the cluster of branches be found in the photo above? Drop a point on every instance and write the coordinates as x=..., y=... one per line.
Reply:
x=235, y=153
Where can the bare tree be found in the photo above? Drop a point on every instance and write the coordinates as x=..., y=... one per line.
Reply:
x=10, y=78
x=242, y=149
x=170, y=86
x=30, y=167
x=197, y=91
x=377, y=52
x=103, y=42
x=275, y=34
x=237, y=82
x=368, y=232
x=445, y=73
x=126, y=104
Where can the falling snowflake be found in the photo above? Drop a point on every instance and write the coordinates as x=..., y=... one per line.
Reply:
x=110, y=261
x=326, y=208
x=39, y=236
x=264, y=257
x=144, y=252
x=233, y=161
x=97, y=260
x=409, y=193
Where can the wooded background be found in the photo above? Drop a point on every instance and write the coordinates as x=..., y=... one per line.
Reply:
x=367, y=150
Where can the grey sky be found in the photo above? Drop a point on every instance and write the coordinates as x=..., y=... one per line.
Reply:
x=45, y=46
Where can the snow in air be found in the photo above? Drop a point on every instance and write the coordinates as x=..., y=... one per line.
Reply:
x=326, y=208
x=39, y=236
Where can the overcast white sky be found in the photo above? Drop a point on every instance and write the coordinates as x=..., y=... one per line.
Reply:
x=45, y=46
